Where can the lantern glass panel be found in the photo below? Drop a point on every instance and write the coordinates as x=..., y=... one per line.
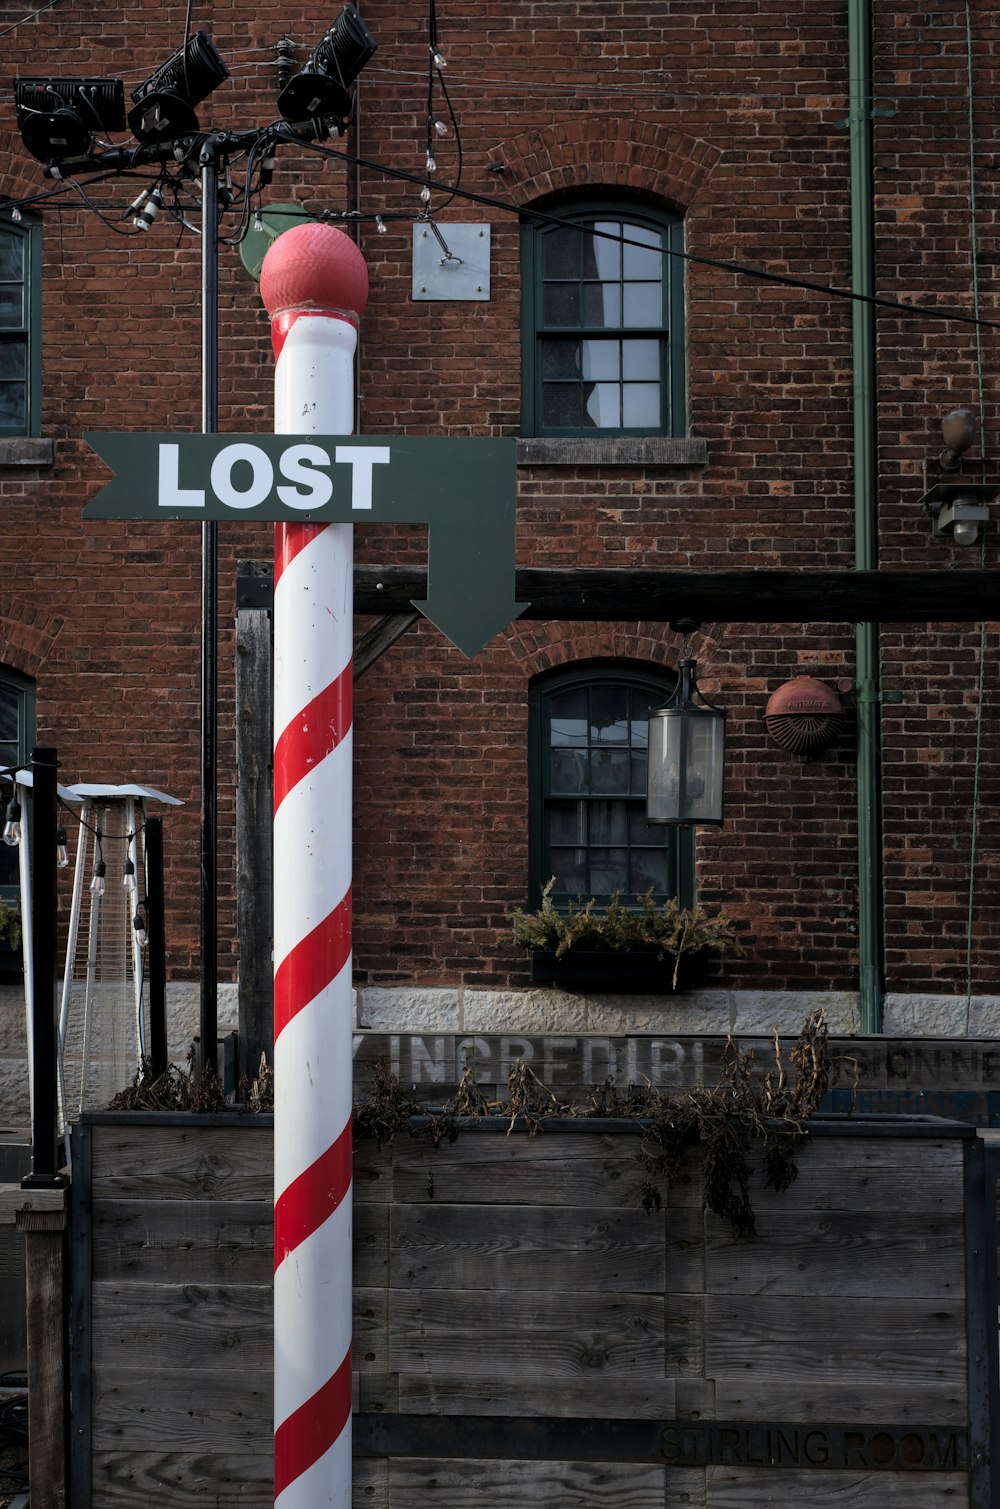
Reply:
x=686, y=761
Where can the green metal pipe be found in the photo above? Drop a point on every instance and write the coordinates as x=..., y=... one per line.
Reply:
x=865, y=411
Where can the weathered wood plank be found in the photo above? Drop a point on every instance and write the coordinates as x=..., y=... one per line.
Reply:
x=45, y=1284
x=417, y=1483
x=850, y=1401
x=559, y=1170
x=874, y=1340
x=185, y=1411
x=493, y=1247
x=254, y=866
x=799, y=1252
x=872, y=1175
x=761, y=1488
x=583, y=1398
x=596, y=593
x=184, y=1480
x=530, y=1333
x=175, y=1242
x=190, y=1326
x=171, y=1163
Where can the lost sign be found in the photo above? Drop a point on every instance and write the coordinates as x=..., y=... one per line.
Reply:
x=462, y=488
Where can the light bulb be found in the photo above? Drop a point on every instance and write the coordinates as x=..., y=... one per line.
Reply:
x=432, y=166
x=380, y=225
x=138, y=202
x=128, y=876
x=15, y=214
x=149, y=211
x=97, y=884
x=437, y=58
x=965, y=531
x=140, y=930
x=62, y=855
x=440, y=129
x=12, y=827
x=425, y=195
x=258, y=221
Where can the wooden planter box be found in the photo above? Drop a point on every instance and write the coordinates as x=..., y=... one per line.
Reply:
x=614, y=971
x=525, y=1333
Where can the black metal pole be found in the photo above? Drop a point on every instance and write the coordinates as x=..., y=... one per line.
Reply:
x=156, y=952
x=44, y=1035
x=209, y=611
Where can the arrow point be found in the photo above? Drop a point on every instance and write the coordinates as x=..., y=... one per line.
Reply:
x=470, y=626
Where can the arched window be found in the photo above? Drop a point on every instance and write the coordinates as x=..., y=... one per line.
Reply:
x=603, y=322
x=20, y=325
x=587, y=788
x=17, y=735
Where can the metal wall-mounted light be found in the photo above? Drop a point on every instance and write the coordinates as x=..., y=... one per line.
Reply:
x=686, y=757
x=321, y=90
x=58, y=117
x=163, y=108
x=957, y=509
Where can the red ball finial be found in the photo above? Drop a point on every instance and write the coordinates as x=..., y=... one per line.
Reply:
x=313, y=266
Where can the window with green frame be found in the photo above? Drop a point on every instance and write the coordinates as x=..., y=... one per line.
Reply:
x=587, y=789
x=20, y=325
x=602, y=332
x=17, y=735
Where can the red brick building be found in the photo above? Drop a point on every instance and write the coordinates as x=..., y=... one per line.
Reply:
x=693, y=416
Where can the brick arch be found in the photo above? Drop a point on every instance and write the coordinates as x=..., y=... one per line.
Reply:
x=607, y=151
x=542, y=646
x=22, y=177
x=25, y=637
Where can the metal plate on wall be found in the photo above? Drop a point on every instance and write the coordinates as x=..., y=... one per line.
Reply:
x=451, y=261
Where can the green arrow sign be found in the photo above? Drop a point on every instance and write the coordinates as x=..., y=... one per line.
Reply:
x=463, y=488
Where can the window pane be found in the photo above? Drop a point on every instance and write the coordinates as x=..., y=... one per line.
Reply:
x=648, y=867
x=561, y=359
x=643, y=304
x=11, y=258
x=569, y=768
x=9, y=704
x=638, y=773
x=608, y=871
x=608, y=822
x=14, y=360
x=561, y=406
x=609, y=771
x=602, y=305
x=637, y=261
x=561, y=304
x=568, y=717
x=641, y=404
x=607, y=254
x=561, y=251
x=609, y=714
x=568, y=823
x=652, y=835
x=641, y=708
x=13, y=405
x=641, y=359
x=11, y=306
x=604, y=406
x=601, y=359
x=569, y=866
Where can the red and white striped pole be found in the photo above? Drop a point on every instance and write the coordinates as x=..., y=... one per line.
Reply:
x=314, y=284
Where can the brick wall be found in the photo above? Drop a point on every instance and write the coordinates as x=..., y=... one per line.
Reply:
x=729, y=112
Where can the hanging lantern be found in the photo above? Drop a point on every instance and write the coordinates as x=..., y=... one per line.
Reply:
x=687, y=742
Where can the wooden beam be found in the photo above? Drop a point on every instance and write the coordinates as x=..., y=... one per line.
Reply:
x=661, y=595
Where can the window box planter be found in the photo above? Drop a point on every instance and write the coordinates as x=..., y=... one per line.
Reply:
x=596, y=971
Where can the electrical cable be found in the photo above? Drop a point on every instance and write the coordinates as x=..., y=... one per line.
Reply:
x=29, y=17
x=744, y=268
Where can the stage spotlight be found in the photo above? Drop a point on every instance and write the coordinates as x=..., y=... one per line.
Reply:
x=58, y=117
x=164, y=105
x=321, y=90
